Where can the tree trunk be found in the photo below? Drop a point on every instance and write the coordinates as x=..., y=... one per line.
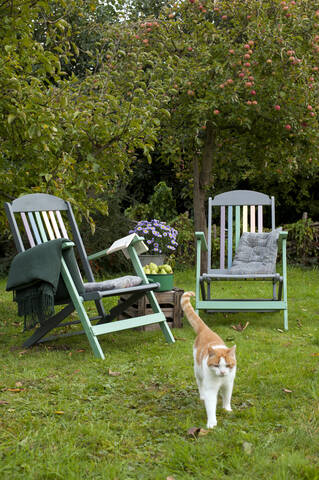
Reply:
x=202, y=180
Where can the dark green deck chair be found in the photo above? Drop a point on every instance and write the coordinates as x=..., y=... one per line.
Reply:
x=241, y=216
x=38, y=218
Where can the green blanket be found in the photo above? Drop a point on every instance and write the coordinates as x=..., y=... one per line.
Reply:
x=34, y=278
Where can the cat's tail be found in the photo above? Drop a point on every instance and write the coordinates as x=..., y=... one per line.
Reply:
x=195, y=321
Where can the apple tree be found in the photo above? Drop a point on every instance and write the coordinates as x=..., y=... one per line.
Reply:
x=240, y=79
x=62, y=134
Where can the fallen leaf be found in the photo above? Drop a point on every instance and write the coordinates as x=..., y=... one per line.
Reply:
x=181, y=340
x=248, y=447
x=113, y=374
x=170, y=478
x=279, y=330
x=196, y=432
x=316, y=354
x=80, y=350
x=286, y=390
x=240, y=327
x=23, y=352
x=59, y=412
x=15, y=390
x=193, y=432
x=4, y=402
x=18, y=384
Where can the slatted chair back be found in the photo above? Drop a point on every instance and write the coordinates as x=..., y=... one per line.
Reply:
x=239, y=211
x=39, y=217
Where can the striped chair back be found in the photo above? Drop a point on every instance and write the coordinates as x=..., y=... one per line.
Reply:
x=239, y=211
x=37, y=218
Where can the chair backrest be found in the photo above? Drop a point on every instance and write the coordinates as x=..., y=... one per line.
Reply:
x=239, y=211
x=39, y=217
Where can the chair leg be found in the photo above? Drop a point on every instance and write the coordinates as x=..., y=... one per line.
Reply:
x=286, y=319
x=274, y=295
x=52, y=323
x=78, y=304
x=100, y=308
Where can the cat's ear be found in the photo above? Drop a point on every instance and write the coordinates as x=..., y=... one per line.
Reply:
x=232, y=351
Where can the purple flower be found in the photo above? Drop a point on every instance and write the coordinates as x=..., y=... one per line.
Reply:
x=158, y=235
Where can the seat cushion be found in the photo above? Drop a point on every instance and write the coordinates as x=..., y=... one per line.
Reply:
x=120, y=282
x=256, y=254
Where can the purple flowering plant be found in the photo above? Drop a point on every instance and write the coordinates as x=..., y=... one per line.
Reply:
x=159, y=237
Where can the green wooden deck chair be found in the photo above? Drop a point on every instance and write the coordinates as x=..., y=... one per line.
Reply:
x=38, y=218
x=241, y=215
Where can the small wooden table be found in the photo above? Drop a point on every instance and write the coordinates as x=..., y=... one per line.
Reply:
x=170, y=303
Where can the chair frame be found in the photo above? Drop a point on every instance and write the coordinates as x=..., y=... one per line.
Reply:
x=42, y=221
x=241, y=200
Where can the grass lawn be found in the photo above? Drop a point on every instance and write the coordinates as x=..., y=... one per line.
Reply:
x=66, y=415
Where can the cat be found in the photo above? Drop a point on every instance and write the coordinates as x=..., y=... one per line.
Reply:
x=214, y=363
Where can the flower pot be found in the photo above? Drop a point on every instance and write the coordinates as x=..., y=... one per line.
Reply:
x=165, y=280
x=147, y=259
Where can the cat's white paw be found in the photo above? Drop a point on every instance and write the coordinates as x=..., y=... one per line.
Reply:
x=211, y=424
x=228, y=409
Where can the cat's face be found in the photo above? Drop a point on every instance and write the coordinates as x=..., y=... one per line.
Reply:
x=222, y=361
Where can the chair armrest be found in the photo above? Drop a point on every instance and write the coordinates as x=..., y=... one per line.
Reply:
x=120, y=244
x=282, y=236
x=67, y=245
x=96, y=255
x=202, y=240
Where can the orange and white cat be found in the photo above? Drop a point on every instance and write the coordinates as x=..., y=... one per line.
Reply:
x=214, y=363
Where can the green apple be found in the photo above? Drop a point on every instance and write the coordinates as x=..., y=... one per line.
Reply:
x=168, y=268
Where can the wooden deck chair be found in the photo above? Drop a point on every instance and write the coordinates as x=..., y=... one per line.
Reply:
x=242, y=215
x=38, y=218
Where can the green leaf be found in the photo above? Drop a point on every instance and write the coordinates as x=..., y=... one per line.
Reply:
x=11, y=118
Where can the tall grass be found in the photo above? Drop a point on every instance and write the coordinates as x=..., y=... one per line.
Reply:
x=67, y=415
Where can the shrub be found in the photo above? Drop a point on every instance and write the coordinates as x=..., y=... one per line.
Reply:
x=184, y=255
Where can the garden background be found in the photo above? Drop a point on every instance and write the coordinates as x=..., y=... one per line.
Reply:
x=101, y=102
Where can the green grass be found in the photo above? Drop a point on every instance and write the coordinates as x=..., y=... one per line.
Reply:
x=71, y=420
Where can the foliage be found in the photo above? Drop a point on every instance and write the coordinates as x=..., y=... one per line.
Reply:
x=81, y=420
x=184, y=257
x=303, y=241
x=241, y=83
x=159, y=237
x=61, y=135
x=161, y=205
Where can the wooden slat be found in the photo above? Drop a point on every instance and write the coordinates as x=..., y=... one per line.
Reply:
x=260, y=218
x=48, y=225
x=27, y=229
x=230, y=237
x=237, y=226
x=252, y=218
x=61, y=223
x=245, y=218
x=41, y=227
x=54, y=225
x=34, y=228
x=222, y=237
